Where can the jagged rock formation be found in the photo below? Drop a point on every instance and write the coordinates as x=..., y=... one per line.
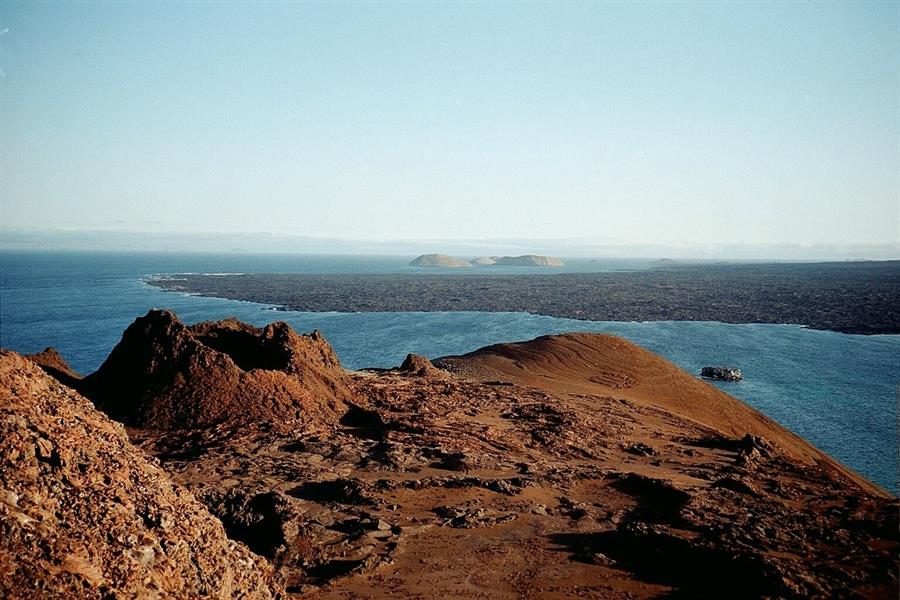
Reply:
x=52, y=363
x=166, y=375
x=594, y=477
x=84, y=514
x=439, y=260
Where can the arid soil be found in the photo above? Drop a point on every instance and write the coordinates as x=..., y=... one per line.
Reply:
x=851, y=297
x=569, y=466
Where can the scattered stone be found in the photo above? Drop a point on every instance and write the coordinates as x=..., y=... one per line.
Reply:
x=640, y=449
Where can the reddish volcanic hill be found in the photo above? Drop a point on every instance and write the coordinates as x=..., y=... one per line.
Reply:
x=166, y=375
x=589, y=363
x=84, y=514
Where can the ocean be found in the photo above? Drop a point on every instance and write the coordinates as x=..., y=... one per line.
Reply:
x=836, y=390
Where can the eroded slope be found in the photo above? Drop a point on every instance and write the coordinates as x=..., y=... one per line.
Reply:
x=84, y=514
x=602, y=364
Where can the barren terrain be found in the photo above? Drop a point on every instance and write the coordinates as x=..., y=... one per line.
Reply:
x=569, y=466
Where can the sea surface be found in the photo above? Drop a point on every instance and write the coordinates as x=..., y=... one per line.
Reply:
x=838, y=391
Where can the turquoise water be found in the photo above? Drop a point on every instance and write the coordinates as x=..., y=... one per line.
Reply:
x=839, y=391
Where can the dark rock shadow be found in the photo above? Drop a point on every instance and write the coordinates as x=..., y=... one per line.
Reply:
x=363, y=423
x=659, y=557
x=341, y=491
x=658, y=501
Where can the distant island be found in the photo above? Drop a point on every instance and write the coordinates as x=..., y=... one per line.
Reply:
x=525, y=260
x=439, y=260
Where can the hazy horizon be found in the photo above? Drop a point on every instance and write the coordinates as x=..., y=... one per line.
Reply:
x=731, y=128
x=270, y=243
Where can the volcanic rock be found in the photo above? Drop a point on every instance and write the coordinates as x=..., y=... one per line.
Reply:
x=84, y=514
x=166, y=375
x=721, y=373
x=420, y=366
x=53, y=364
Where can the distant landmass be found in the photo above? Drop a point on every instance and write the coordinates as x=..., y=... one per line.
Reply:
x=439, y=260
x=526, y=260
x=850, y=297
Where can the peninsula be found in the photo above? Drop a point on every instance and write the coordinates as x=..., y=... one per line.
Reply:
x=850, y=297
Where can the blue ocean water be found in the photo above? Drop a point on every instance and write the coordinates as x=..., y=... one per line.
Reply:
x=839, y=391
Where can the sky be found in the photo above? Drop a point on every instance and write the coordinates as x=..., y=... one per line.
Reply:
x=631, y=123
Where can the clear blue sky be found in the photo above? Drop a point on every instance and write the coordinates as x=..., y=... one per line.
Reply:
x=658, y=122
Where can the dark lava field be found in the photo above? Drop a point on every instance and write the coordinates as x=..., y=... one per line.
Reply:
x=849, y=297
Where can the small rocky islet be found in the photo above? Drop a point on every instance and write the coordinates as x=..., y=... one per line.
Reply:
x=721, y=373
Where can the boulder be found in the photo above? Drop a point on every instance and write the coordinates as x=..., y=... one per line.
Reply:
x=420, y=366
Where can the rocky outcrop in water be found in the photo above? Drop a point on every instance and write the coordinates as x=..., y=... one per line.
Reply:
x=721, y=373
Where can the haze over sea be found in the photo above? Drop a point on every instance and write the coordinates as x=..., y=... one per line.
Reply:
x=839, y=391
